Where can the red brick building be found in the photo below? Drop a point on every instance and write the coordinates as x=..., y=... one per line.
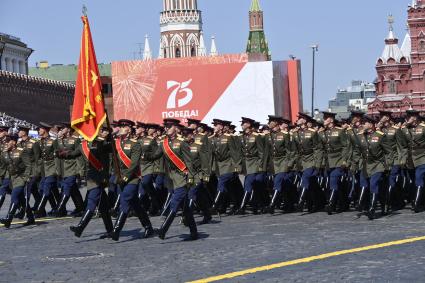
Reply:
x=400, y=83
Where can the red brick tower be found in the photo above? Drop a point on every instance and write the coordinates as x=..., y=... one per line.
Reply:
x=400, y=83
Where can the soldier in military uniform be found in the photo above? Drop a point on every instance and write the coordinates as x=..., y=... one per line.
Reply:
x=19, y=169
x=336, y=148
x=49, y=172
x=147, y=167
x=69, y=142
x=180, y=171
x=227, y=163
x=96, y=154
x=397, y=142
x=416, y=142
x=129, y=152
x=374, y=149
x=281, y=151
x=254, y=160
x=31, y=152
x=4, y=177
x=310, y=152
x=199, y=157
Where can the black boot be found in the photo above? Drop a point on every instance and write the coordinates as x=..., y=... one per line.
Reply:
x=30, y=217
x=388, y=201
x=61, y=211
x=192, y=226
x=372, y=209
x=245, y=200
x=417, y=204
x=20, y=213
x=331, y=203
x=2, y=199
x=78, y=230
x=166, y=225
x=273, y=202
x=40, y=210
x=77, y=198
x=8, y=220
x=53, y=204
x=300, y=206
x=145, y=221
x=361, y=200
x=217, y=202
x=119, y=224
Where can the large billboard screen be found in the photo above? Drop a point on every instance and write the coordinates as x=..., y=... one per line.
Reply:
x=225, y=87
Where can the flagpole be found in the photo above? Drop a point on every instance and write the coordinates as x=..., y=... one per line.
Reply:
x=115, y=162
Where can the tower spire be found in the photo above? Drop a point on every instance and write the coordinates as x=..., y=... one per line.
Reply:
x=202, y=50
x=147, y=54
x=257, y=47
x=213, y=51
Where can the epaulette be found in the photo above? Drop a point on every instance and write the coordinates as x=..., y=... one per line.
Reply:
x=422, y=124
x=395, y=127
x=312, y=130
x=349, y=128
x=202, y=134
x=198, y=143
x=255, y=134
x=33, y=140
x=379, y=133
x=133, y=140
x=180, y=139
x=339, y=128
x=227, y=135
x=100, y=139
x=285, y=132
x=149, y=137
x=321, y=130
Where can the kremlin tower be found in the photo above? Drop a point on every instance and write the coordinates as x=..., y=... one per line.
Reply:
x=257, y=48
x=400, y=70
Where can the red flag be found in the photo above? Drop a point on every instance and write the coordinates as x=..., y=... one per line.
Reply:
x=88, y=112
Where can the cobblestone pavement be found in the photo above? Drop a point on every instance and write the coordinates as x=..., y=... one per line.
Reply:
x=50, y=253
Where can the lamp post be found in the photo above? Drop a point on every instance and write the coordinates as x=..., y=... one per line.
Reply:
x=315, y=49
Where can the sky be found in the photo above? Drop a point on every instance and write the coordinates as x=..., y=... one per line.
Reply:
x=350, y=34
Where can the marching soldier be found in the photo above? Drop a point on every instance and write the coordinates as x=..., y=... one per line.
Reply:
x=18, y=165
x=336, y=147
x=310, y=154
x=69, y=142
x=227, y=162
x=96, y=154
x=49, y=172
x=129, y=152
x=253, y=156
x=147, y=167
x=181, y=174
x=416, y=139
x=281, y=158
x=374, y=149
x=31, y=151
x=397, y=144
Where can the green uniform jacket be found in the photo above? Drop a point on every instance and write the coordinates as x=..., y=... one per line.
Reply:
x=199, y=162
x=374, y=149
x=227, y=154
x=336, y=148
x=406, y=160
x=177, y=178
x=309, y=148
x=69, y=165
x=397, y=142
x=3, y=166
x=417, y=144
x=31, y=152
x=207, y=155
x=101, y=150
x=253, y=152
x=48, y=165
x=133, y=151
x=280, y=149
x=18, y=166
x=148, y=144
x=355, y=158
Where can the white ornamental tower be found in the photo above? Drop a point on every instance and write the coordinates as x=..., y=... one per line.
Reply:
x=181, y=26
